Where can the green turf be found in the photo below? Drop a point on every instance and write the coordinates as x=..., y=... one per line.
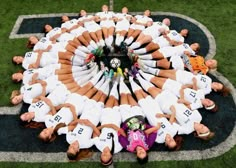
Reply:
x=217, y=15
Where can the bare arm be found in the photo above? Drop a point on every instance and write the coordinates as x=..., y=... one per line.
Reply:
x=172, y=117
x=153, y=129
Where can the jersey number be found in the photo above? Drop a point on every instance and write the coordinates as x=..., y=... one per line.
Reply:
x=193, y=94
x=80, y=131
x=187, y=113
x=39, y=104
x=57, y=118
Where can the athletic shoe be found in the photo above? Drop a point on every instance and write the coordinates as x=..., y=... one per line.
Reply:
x=90, y=57
x=111, y=73
x=119, y=71
x=134, y=71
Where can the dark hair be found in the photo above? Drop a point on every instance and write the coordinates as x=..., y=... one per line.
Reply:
x=142, y=160
x=32, y=124
x=82, y=154
x=179, y=141
x=205, y=138
x=224, y=91
x=15, y=80
x=110, y=161
x=215, y=109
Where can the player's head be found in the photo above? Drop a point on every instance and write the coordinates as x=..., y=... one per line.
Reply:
x=147, y=13
x=73, y=150
x=166, y=21
x=47, y=28
x=203, y=132
x=106, y=157
x=64, y=18
x=16, y=97
x=170, y=142
x=32, y=40
x=47, y=135
x=83, y=13
x=17, y=77
x=104, y=8
x=195, y=47
x=220, y=88
x=17, y=59
x=142, y=155
x=209, y=105
x=27, y=117
x=184, y=32
x=211, y=64
x=125, y=10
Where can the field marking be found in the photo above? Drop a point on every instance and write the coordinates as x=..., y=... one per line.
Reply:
x=124, y=156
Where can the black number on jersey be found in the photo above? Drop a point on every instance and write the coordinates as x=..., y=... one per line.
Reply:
x=39, y=104
x=185, y=46
x=193, y=94
x=28, y=54
x=80, y=131
x=43, y=40
x=187, y=113
x=162, y=125
x=108, y=135
x=174, y=33
x=57, y=118
x=203, y=79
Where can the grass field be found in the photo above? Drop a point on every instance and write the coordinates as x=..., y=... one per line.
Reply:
x=217, y=15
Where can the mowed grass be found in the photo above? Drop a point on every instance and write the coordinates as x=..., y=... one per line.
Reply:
x=217, y=15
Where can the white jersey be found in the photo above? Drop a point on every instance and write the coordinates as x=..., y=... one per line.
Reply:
x=30, y=58
x=109, y=116
x=43, y=73
x=52, y=83
x=173, y=35
x=108, y=15
x=194, y=97
x=42, y=44
x=172, y=86
x=48, y=58
x=127, y=111
x=186, y=119
x=40, y=110
x=176, y=51
x=184, y=77
x=69, y=24
x=59, y=95
x=31, y=91
x=124, y=23
x=155, y=30
x=204, y=82
x=53, y=32
x=90, y=24
x=140, y=19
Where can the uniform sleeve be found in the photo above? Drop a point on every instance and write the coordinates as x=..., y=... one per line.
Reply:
x=151, y=139
x=123, y=141
x=184, y=130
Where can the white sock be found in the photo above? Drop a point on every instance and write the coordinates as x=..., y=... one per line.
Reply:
x=140, y=51
x=117, y=39
x=135, y=45
x=104, y=86
x=90, y=48
x=114, y=91
x=133, y=84
x=76, y=60
x=100, y=82
x=121, y=39
x=95, y=79
x=146, y=76
x=149, y=63
x=146, y=56
x=93, y=44
x=154, y=71
x=80, y=53
x=84, y=49
x=78, y=68
x=102, y=42
x=107, y=42
x=129, y=40
x=123, y=87
x=145, y=84
x=110, y=39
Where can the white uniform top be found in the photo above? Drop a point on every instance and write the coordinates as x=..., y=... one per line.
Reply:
x=176, y=51
x=43, y=73
x=154, y=30
x=186, y=118
x=140, y=19
x=127, y=111
x=162, y=98
x=42, y=44
x=194, y=97
x=69, y=24
x=108, y=15
x=53, y=32
x=52, y=83
x=151, y=108
x=59, y=95
x=173, y=35
x=30, y=58
x=204, y=82
x=48, y=58
x=109, y=116
x=31, y=91
x=184, y=77
x=91, y=25
x=64, y=37
x=82, y=133
x=124, y=23
x=40, y=110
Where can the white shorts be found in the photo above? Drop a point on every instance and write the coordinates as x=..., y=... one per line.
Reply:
x=127, y=111
x=161, y=42
x=177, y=63
x=172, y=86
x=111, y=116
x=107, y=24
x=151, y=32
x=184, y=77
x=93, y=27
x=122, y=26
x=77, y=61
x=78, y=32
x=167, y=52
x=137, y=27
x=48, y=59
